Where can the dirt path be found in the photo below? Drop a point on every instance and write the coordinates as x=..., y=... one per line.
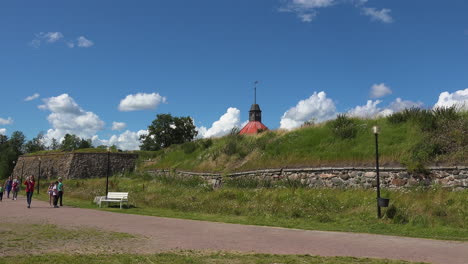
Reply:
x=168, y=234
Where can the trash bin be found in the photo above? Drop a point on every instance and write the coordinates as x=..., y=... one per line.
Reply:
x=383, y=202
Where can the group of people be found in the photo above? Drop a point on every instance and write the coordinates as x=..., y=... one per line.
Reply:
x=11, y=186
x=55, y=190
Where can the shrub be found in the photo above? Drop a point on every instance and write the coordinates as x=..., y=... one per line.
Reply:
x=189, y=147
x=344, y=127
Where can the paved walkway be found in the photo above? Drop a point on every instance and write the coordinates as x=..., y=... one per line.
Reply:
x=169, y=234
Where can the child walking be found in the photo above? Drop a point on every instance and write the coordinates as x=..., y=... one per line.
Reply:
x=50, y=191
x=55, y=194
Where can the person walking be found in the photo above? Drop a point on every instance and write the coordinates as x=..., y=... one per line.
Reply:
x=50, y=191
x=8, y=186
x=1, y=193
x=55, y=193
x=29, y=189
x=15, y=188
x=60, y=190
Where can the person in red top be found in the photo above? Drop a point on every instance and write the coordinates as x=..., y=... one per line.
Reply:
x=29, y=189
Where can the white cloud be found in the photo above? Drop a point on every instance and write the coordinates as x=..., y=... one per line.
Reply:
x=118, y=125
x=68, y=117
x=371, y=109
x=306, y=10
x=458, y=98
x=7, y=121
x=380, y=90
x=83, y=42
x=3, y=131
x=128, y=140
x=317, y=107
x=49, y=37
x=400, y=104
x=52, y=37
x=141, y=101
x=382, y=15
x=223, y=126
x=366, y=111
x=32, y=97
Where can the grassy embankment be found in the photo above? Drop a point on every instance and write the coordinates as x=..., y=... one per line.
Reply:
x=428, y=213
x=414, y=138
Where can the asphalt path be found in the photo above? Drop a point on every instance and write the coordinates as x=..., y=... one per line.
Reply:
x=165, y=234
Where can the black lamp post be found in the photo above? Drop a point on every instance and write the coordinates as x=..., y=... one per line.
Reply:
x=22, y=167
x=39, y=176
x=376, y=131
x=108, y=171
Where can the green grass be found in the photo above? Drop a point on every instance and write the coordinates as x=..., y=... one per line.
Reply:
x=414, y=138
x=428, y=213
x=193, y=258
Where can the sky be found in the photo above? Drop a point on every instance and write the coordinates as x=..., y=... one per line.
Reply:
x=104, y=69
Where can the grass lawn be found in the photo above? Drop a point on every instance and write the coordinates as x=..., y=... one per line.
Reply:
x=193, y=258
x=426, y=213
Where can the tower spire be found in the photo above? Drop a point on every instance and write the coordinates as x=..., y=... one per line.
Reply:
x=255, y=92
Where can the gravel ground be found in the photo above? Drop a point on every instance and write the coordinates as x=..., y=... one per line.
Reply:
x=166, y=234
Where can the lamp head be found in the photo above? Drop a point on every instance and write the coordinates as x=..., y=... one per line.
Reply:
x=375, y=130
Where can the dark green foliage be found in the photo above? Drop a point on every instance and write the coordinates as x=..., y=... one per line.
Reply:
x=344, y=127
x=189, y=147
x=35, y=144
x=166, y=130
x=10, y=149
x=205, y=143
x=73, y=142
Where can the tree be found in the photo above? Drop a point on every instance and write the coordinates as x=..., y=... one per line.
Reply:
x=16, y=142
x=54, y=145
x=85, y=143
x=70, y=142
x=35, y=144
x=166, y=130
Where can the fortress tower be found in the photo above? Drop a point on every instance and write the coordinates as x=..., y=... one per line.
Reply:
x=255, y=118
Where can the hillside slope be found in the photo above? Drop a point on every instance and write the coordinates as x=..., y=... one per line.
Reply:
x=414, y=138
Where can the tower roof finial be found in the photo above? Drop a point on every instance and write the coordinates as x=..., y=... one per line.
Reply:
x=255, y=91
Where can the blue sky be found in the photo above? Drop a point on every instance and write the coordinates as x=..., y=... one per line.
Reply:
x=313, y=58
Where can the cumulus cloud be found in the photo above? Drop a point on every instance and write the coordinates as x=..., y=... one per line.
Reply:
x=32, y=97
x=223, y=126
x=68, y=117
x=128, y=140
x=382, y=15
x=118, y=125
x=3, y=131
x=7, y=121
x=83, y=42
x=371, y=108
x=141, y=101
x=458, y=98
x=317, y=107
x=380, y=90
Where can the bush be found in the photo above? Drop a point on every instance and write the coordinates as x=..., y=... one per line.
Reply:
x=344, y=127
x=189, y=147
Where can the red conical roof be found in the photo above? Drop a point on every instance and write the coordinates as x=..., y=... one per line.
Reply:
x=253, y=127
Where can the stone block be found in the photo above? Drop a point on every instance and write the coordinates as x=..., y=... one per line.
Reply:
x=370, y=174
x=399, y=182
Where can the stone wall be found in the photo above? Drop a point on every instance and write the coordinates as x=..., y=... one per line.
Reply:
x=73, y=165
x=394, y=178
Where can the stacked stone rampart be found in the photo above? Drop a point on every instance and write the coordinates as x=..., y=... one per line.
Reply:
x=362, y=177
x=73, y=165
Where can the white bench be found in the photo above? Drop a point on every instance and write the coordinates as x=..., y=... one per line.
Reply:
x=117, y=197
